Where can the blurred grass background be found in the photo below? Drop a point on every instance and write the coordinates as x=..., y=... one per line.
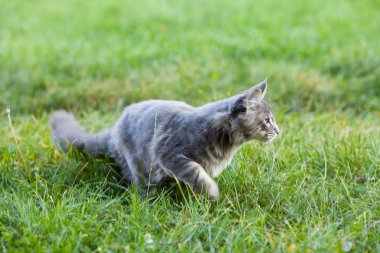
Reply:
x=318, y=55
x=315, y=189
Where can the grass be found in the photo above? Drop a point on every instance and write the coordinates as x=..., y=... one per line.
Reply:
x=316, y=189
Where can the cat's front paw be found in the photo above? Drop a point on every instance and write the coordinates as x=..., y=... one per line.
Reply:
x=213, y=192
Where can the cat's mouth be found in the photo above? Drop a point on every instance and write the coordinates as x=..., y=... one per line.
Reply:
x=267, y=138
x=270, y=137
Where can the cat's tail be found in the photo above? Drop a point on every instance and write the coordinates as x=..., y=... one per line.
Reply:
x=67, y=132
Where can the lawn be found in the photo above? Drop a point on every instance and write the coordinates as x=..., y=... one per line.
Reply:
x=315, y=189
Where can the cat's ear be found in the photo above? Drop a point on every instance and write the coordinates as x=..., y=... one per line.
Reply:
x=250, y=97
x=240, y=105
x=257, y=92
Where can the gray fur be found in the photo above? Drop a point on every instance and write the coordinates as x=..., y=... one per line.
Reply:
x=157, y=140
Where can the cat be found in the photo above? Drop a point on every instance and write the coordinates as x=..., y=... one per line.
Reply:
x=157, y=140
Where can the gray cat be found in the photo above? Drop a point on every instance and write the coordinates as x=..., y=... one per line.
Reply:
x=157, y=140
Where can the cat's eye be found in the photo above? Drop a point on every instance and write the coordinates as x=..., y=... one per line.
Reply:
x=267, y=121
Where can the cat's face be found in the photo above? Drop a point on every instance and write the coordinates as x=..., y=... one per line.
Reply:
x=252, y=116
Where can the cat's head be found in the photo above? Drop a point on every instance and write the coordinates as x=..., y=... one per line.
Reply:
x=252, y=117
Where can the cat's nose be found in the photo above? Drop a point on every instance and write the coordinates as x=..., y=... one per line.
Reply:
x=277, y=130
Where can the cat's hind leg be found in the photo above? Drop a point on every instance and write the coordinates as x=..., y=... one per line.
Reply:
x=122, y=163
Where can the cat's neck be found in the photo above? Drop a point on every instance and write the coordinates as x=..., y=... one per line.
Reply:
x=219, y=128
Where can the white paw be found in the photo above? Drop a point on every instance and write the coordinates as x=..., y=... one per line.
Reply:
x=213, y=192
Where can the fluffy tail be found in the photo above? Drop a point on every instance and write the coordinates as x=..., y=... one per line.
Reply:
x=66, y=131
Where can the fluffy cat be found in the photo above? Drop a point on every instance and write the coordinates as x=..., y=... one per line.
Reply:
x=157, y=140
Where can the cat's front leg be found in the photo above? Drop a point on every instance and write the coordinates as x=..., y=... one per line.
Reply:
x=192, y=173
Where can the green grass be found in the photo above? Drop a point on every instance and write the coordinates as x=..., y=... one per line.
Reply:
x=316, y=189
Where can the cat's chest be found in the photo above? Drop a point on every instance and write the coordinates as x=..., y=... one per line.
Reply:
x=216, y=166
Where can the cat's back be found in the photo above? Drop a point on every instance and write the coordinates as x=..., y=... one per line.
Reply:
x=143, y=117
x=151, y=108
